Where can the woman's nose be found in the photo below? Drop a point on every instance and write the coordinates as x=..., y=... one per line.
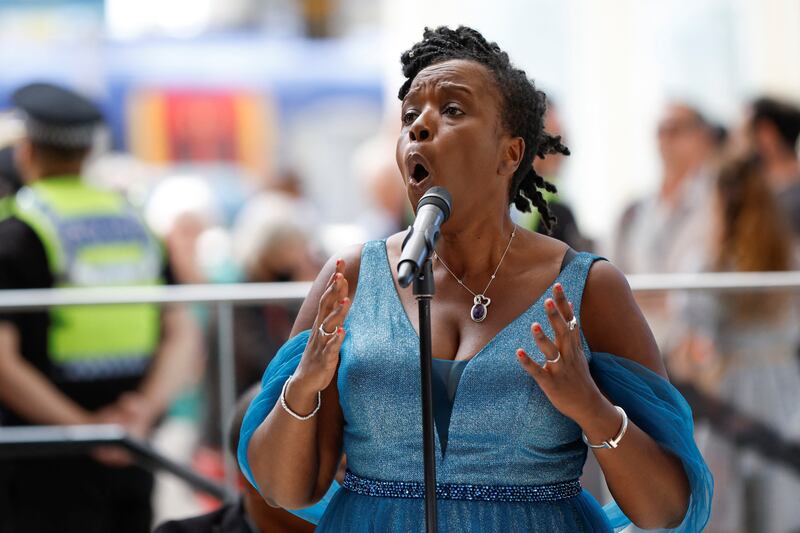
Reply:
x=420, y=130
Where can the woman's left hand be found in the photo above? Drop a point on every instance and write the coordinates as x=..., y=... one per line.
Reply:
x=564, y=377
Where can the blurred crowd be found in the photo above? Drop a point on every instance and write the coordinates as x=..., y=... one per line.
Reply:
x=728, y=200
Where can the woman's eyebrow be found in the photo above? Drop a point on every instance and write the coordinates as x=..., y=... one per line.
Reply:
x=411, y=93
x=442, y=85
x=452, y=86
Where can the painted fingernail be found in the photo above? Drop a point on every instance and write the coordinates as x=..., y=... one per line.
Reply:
x=521, y=353
x=340, y=330
x=550, y=304
x=339, y=276
x=537, y=328
x=338, y=262
x=559, y=288
x=343, y=301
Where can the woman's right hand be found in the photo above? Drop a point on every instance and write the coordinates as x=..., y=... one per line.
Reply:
x=321, y=357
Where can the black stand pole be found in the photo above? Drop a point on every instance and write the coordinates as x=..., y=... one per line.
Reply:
x=423, y=292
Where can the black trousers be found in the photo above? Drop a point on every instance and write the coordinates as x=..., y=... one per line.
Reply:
x=73, y=494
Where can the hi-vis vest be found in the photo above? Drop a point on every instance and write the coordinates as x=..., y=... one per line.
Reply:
x=93, y=238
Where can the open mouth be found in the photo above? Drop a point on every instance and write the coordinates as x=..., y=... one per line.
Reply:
x=420, y=172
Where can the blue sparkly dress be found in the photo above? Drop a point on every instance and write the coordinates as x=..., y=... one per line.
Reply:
x=507, y=460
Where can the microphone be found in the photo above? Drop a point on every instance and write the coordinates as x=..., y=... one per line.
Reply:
x=433, y=210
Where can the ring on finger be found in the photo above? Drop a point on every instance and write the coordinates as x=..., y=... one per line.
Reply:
x=556, y=360
x=572, y=324
x=324, y=333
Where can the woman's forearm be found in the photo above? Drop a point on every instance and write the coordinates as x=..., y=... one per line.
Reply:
x=648, y=483
x=284, y=452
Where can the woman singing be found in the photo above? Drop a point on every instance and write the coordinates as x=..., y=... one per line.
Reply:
x=524, y=332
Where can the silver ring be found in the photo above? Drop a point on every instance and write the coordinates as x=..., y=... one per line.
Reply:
x=572, y=324
x=324, y=333
x=556, y=360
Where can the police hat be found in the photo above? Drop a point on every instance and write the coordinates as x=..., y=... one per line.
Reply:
x=57, y=116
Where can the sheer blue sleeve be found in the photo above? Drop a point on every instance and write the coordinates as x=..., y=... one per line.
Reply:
x=659, y=410
x=280, y=368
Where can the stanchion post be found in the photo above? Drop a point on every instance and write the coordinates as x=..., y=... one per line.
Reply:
x=226, y=368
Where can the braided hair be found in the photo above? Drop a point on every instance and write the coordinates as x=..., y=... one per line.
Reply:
x=522, y=107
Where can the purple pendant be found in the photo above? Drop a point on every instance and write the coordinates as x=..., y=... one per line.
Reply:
x=480, y=308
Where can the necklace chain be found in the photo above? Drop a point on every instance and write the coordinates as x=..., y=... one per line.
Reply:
x=494, y=274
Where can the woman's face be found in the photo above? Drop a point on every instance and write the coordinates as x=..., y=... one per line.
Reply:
x=452, y=136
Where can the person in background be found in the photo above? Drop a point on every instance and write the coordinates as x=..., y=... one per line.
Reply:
x=269, y=245
x=289, y=183
x=117, y=364
x=774, y=128
x=741, y=349
x=566, y=227
x=667, y=231
x=249, y=513
x=662, y=232
x=387, y=206
x=179, y=210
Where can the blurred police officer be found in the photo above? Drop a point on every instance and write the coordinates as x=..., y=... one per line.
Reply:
x=78, y=365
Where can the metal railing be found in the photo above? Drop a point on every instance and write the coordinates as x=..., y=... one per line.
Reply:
x=37, y=441
x=293, y=292
x=224, y=297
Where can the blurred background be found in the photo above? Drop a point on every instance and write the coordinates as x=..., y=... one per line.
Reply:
x=256, y=138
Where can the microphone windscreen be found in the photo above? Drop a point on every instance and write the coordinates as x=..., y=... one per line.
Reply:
x=439, y=197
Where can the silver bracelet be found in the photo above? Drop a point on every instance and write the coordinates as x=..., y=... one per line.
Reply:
x=611, y=443
x=286, y=407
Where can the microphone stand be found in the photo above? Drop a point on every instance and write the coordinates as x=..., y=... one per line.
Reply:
x=423, y=291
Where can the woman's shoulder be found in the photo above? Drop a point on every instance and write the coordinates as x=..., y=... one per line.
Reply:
x=606, y=288
x=612, y=321
x=605, y=280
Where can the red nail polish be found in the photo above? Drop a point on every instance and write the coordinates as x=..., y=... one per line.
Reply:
x=521, y=353
x=338, y=262
x=550, y=304
x=340, y=330
x=537, y=328
x=343, y=301
x=558, y=287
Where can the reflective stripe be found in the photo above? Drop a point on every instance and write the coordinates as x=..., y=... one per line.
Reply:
x=33, y=212
x=120, y=367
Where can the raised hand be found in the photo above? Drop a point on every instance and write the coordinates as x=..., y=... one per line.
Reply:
x=321, y=357
x=564, y=377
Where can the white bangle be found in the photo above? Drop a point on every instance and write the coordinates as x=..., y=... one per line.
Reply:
x=288, y=410
x=611, y=443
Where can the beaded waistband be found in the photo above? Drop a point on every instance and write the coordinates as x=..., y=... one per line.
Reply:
x=459, y=491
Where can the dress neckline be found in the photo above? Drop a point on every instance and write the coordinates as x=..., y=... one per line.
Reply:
x=399, y=303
